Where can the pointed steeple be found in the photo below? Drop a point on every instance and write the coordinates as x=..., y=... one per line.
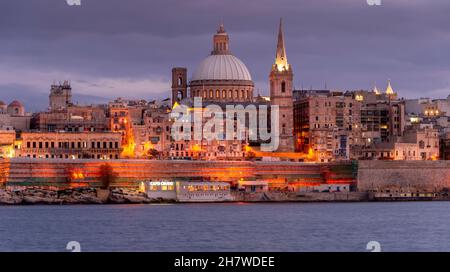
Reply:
x=389, y=89
x=375, y=89
x=281, y=59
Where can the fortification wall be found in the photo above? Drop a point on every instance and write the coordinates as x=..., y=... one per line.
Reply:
x=403, y=176
x=42, y=172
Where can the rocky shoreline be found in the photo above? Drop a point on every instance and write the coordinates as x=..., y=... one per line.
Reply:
x=72, y=196
x=36, y=195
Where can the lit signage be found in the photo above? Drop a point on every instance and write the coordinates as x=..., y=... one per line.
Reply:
x=161, y=183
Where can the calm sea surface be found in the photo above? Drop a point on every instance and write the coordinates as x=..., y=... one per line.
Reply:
x=406, y=226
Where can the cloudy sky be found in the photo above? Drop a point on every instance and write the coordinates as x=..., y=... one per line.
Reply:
x=112, y=48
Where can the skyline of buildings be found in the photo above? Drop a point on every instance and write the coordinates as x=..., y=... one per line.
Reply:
x=323, y=125
x=326, y=54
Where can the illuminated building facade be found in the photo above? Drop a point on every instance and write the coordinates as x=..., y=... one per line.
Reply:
x=70, y=145
x=7, y=140
x=281, y=94
x=327, y=124
x=415, y=144
x=223, y=79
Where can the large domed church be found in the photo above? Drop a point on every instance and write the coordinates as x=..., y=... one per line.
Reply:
x=220, y=77
x=223, y=78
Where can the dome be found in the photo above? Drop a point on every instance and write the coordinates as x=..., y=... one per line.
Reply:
x=15, y=103
x=221, y=67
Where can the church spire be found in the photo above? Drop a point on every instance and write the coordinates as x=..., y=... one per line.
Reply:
x=375, y=89
x=389, y=90
x=281, y=58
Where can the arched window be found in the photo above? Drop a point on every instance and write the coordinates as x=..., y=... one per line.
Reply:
x=242, y=94
x=180, y=81
x=204, y=94
x=230, y=94
x=211, y=94
x=180, y=95
x=217, y=94
x=224, y=94
x=283, y=87
x=236, y=94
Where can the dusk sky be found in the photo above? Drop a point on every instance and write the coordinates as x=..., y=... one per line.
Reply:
x=126, y=48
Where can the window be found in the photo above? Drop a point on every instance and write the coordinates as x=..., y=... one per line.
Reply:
x=283, y=87
x=180, y=81
x=421, y=144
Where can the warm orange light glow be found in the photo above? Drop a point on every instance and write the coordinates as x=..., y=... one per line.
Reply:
x=77, y=175
x=196, y=148
x=247, y=148
x=148, y=146
x=9, y=151
x=289, y=155
x=142, y=187
x=128, y=143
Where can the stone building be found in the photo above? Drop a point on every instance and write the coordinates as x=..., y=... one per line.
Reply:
x=7, y=140
x=153, y=136
x=327, y=124
x=224, y=80
x=72, y=119
x=415, y=144
x=281, y=94
x=70, y=145
x=445, y=146
x=65, y=116
x=14, y=116
x=381, y=121
x=60, y=96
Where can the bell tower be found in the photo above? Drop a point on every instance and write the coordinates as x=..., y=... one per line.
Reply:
x=281, y=78
x=179, y=84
